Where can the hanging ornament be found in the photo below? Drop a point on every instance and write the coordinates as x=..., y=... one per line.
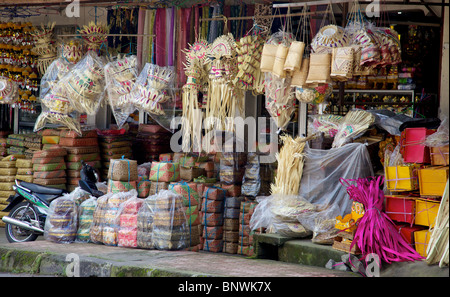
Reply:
x=45, y=46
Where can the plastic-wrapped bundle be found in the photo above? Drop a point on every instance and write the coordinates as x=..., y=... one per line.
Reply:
x=251, y=182
x=85, y=84
x=86, y=216
x=169, y=222
x=145, y=223
x=96, y=230
x=127, y=235
x=120, y=76
x=8, y=91
x=62, y=220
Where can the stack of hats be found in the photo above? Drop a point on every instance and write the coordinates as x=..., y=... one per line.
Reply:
x=191, y=202
x=113, y=145
x=84, y=147
x=212, y=219
x=150, y=142
x=16, y=144
x=49, y=168
x=24, y=170
x=169, y=222
x=127, y=236
x=33, y=142
x=245, y=245
x=145, y=224
x=122, y=175
x=62, y=221
x=86, y=212
x=231, y=224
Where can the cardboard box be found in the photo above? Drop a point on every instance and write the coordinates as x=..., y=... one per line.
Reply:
x=439, y=155
x=400, y=208
x=426, y=212
x=413, y=150
x=402, y=178
x=421, y=240
x=432, y=180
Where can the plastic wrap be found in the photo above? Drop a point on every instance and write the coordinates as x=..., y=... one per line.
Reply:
x=62, y=220
x=120, y=76
x=145, y=223
x=323, y=168
x=95, y=232
x=128, y=226
x=251, y=183
x=153, y=93
x=440, y=137
x=170, y=230
x=85, y=84
x=56, y=107
x=321, y=223
x=278, y=214
x=390, y=121
x=85, y=218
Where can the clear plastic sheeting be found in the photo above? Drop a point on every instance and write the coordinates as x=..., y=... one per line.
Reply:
x=322, y=170
x=62, y=220
x=440, y=137
x=120, y=76
x=278, y=214
x=322, y=223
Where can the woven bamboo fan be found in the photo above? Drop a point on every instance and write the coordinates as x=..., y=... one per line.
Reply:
x=294, y=58
x=355, y=123
x=8, y=91
x=329, y=37
x=299, y=76
x=268, y=57
x=280, y=59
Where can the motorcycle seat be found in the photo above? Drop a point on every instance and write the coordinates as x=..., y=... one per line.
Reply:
x=38, y=189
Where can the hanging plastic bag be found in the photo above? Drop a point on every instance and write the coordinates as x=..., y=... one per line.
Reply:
x=120, y=77
x=153, y=93
x=62, y=220
x=85, y=84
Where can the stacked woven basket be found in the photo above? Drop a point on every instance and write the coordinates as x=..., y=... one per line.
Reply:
x=113, y=146
x=122, y=175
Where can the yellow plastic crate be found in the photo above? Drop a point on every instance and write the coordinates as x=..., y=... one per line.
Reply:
x=439, y=155
x=432, y=180
x=402, y=178
x=421, y=240
x=426, y=212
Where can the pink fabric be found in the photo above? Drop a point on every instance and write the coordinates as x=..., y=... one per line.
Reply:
x=183, y=15
x=160, y=38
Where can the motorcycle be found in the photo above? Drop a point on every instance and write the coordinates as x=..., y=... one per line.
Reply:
x=28, y=208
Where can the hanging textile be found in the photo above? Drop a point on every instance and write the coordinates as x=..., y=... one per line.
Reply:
x=141, y=21
x=183, y=17
x=146, y=38
x=160, y=38
x=151, y=32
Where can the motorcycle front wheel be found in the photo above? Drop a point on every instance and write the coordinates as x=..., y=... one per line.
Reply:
x=22, y=212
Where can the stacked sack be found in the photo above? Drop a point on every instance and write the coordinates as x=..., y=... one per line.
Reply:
x=169, y=222
x=162, y=174
x=8, y=172
x=145, y=224
x=49, y=168
x=16, y=144
x=191, y=202
x=113, y=145
x=50, y=138
x=33, y=142
x=84, y=147
x=150, y=142
x=96, y=229
x=251, y=182
x=24, y=170
x=212, y=219
x=232, y=168
x=3, y=146
x=231, y=224
x=122, y=175
x=62, y=220
x=127, y=235
x=245, y=245
x=85, y=219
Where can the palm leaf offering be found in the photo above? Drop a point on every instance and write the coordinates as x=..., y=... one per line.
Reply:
x=355, y=123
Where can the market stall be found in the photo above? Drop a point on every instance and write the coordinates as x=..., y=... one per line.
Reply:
x=355, y=171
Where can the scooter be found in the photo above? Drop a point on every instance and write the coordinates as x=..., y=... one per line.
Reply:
x=28, y=208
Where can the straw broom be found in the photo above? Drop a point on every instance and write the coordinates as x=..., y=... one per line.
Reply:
x=438, y=246
x=290, y=165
